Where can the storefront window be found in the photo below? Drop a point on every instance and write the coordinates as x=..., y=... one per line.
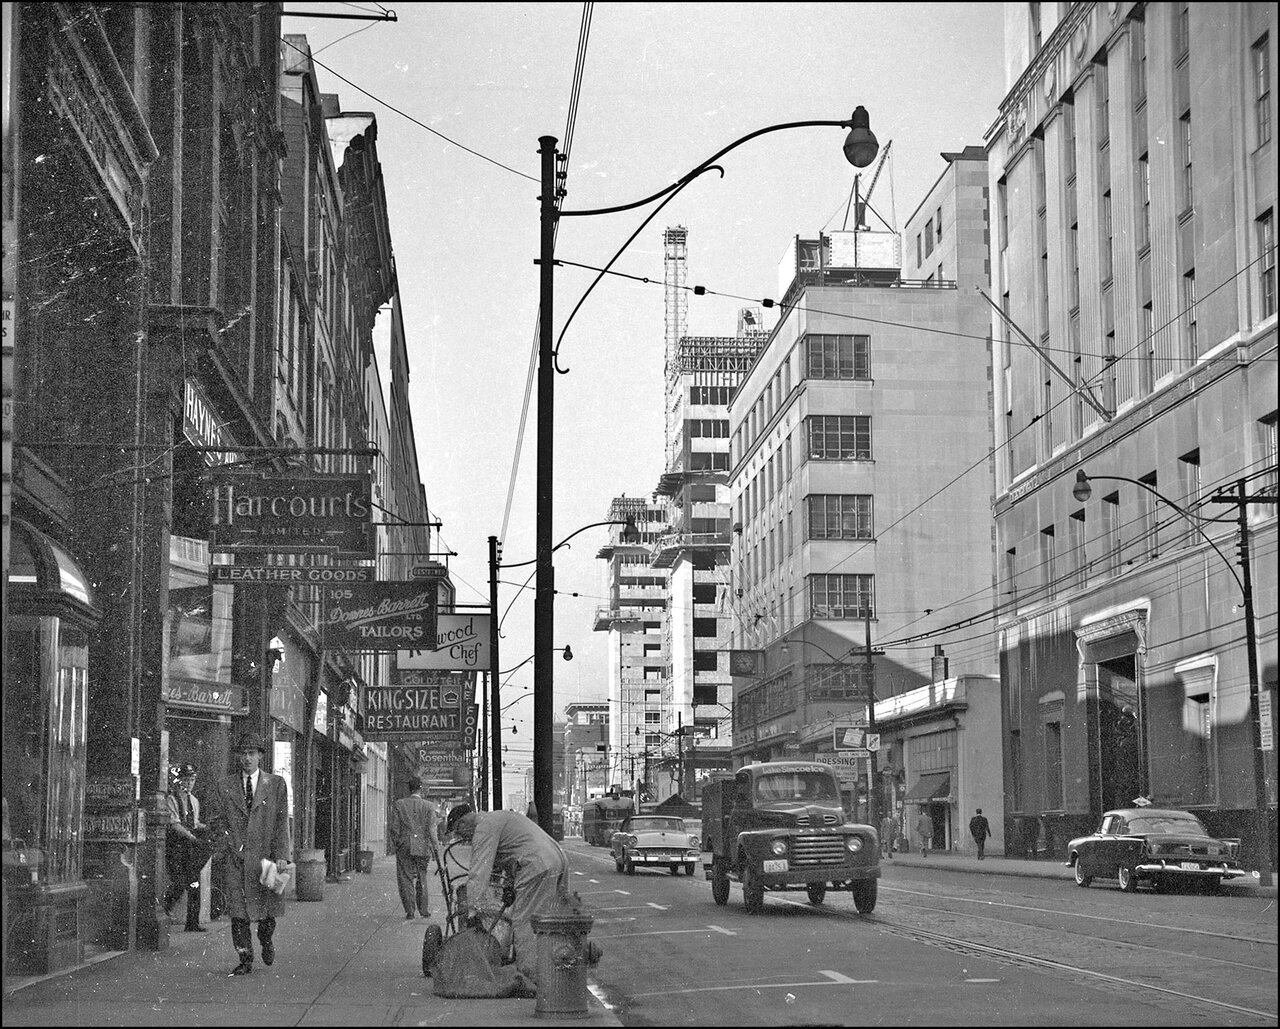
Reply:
x=46, y=664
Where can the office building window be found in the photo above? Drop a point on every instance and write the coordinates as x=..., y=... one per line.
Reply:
x=839, y=356
x=1144, y=201
x=1262, y=89
x=1182, y=31
x=842, y=596
x=1189, y=313
x=835, y=517
x=1104, y=105
x=938, y=224
x=1011, y=573
x=1185, y=128
x=1270, y=481
x=1079, y=546
x=1266, y=232
x=1139, y=36
x=1189, y=474
x=839, y=437
x=1107, y=236
x=1111, y=532
x=1149, y=518
x=1048, y=559
x=928, y=238
x=1053, y=766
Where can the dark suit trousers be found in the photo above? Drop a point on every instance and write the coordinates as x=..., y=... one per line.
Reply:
x=409, y=868
x=243, y=941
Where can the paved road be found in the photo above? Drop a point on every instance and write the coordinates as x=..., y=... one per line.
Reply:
x=943, y=947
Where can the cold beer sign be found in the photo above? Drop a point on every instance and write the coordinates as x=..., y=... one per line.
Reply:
x=378, y=615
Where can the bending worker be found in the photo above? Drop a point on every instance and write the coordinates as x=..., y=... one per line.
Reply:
x=542, y=871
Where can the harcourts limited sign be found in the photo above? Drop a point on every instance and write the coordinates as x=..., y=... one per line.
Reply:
x=292, y=514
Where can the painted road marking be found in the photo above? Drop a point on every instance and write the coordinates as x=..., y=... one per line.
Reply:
x=597, y=893
x=722, y=929
x=663, y=932
x=982, y=980
x=837, y=980
x=658, y=906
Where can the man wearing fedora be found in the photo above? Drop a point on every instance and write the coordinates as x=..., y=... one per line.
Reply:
x=249, y=813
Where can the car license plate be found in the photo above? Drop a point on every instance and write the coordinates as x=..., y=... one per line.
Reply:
x=1189, y=866
x=776, y=866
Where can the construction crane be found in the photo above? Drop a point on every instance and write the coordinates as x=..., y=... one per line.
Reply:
x=859, y=204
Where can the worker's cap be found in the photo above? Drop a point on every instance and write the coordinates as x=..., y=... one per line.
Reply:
x=456, y=816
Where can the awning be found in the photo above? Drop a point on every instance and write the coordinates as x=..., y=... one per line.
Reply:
x=38, y=562
x=930, y=786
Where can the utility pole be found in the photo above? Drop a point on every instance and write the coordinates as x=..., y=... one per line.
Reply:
x=1242, y=500
x=495, y=695
x=873, y=787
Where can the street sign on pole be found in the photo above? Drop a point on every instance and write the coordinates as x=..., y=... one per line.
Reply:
x=846, y=737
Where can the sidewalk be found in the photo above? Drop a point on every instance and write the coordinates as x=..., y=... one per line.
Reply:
x=351, y=959
x=1039, y=869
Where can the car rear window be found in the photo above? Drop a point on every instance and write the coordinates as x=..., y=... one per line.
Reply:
x=1167, y=822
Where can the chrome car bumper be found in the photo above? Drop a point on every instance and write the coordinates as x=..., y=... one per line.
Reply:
x=1154, y=867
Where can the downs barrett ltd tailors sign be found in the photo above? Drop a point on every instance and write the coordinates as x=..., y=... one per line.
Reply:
x=378, y=615
x=292, y=514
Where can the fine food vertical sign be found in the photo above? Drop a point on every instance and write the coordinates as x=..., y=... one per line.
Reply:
x=378, y=615
x=292, y=514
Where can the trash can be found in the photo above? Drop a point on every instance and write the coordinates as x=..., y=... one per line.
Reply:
x=563, y=956
x=309, y=884
x=365, y=860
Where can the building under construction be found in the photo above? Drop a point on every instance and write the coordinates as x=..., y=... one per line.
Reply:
x=702, y=376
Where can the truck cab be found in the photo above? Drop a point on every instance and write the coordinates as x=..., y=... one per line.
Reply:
x=780, y=826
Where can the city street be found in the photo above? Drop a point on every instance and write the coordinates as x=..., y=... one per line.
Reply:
x=945, y=945
x=942, y=947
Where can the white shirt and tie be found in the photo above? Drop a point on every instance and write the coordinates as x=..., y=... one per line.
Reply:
x=250, y=786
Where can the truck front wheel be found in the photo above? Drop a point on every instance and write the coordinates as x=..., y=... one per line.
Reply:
x=719, y=883
x=752, y=889
x=864, y=896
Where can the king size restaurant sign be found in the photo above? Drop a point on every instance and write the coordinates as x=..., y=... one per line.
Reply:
x=292, y=514
x=378, y=615
x=431, y=707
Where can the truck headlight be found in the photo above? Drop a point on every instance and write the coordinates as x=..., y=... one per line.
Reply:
x=854, y=844
x=779, y=847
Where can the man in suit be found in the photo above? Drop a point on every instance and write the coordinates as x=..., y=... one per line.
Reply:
x=249, y=814
x=414, y=837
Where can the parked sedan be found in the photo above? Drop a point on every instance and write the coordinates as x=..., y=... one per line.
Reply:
x=646, y=841
x=1156, y=845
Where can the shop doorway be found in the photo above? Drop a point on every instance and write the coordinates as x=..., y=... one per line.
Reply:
x=1121, y=732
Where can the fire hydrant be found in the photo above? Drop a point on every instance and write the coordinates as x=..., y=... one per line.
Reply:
x=564, y=953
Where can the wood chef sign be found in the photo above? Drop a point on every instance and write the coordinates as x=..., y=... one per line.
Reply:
x=378, y=615
x=291, y=514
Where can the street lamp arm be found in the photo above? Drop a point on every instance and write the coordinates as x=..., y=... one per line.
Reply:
x=699, y=169
x=1080, y=492
x=672, y=192
x=593, y=525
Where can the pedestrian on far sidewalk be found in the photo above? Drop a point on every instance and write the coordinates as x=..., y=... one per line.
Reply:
x=924, y=831
x=249, y=813
x=979, y=829
x=414, y=837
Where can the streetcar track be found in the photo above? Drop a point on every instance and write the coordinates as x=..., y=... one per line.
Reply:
x=1075, y=914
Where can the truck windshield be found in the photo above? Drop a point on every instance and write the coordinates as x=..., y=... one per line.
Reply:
x=805, y=787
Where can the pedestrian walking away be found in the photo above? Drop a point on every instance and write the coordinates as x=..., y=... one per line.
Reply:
x=888, y=836
x=979, y=829
x=924, y=831
x=542, y=871
x=186, y=845
x=415, y=840
x=249, y=816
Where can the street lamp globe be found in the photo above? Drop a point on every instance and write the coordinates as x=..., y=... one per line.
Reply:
x=861, y=145
x=1082, y=491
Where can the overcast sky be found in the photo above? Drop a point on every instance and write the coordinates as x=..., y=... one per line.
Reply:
x=665, y=87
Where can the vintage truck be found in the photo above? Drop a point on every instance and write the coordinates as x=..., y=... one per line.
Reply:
x=780, y=825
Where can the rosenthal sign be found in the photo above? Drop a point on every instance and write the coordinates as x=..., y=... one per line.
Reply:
x=378, y=615
x=292, y=514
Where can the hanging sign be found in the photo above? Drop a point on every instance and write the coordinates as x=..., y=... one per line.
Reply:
x=292, y=514
x=461, y=644
x=378, y=615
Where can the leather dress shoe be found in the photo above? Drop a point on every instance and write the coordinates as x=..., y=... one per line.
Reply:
x=268, y=953
x=195, y=929
x=244, y=968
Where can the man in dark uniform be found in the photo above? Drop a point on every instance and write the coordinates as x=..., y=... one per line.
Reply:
x=186, y=849
x=980, y=829
x=249, y=813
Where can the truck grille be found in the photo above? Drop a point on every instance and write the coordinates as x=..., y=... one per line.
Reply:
x=817, y=850
x=826, y=820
